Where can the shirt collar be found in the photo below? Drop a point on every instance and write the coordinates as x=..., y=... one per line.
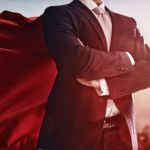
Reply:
x=90, y=4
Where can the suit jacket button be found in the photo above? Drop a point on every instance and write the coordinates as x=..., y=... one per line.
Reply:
x=121, y=68
x=126, y=69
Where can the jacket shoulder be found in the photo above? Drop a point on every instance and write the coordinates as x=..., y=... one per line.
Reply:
x=57, y=8
x=125, y=18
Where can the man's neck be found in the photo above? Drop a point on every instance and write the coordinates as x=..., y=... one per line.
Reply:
x=98, y=2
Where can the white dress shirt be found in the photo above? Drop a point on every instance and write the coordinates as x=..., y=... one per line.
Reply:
x=111, y=109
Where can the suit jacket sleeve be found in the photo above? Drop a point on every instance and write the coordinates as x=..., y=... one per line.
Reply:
x=137, y=80
x=76, y=59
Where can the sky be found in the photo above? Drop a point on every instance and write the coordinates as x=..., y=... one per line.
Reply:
x=138, y=9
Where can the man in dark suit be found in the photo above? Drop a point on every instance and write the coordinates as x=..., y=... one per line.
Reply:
x=101, y=59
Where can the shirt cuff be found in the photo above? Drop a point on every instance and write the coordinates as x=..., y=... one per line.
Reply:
x=131, y=58
x=104, y=87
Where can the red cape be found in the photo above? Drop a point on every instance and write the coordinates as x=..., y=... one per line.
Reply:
x=27, y=73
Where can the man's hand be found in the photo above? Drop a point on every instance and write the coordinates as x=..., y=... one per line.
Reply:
x=100, y=85
x=93, y=83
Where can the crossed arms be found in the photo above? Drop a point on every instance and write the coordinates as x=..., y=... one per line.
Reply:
x=100, y=85
x=93, y=64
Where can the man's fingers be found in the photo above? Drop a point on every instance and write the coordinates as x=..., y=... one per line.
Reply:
x=80, y=42
x=84, y=82
x=98, y=91
x=95, y=83
x=92, y=83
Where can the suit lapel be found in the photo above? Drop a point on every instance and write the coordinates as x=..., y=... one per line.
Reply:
x=93, y=21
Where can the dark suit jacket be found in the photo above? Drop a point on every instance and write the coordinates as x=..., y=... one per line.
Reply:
x=72, y=107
